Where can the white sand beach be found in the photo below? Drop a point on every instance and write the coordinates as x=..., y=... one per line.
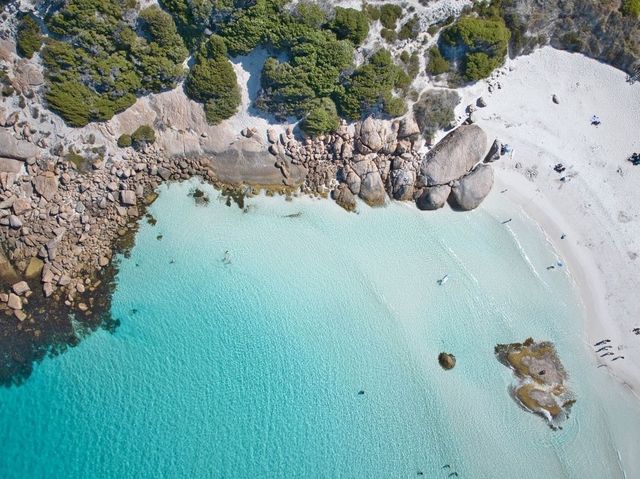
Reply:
x=596, y=206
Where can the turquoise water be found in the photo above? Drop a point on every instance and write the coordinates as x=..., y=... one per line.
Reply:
x=252, y=369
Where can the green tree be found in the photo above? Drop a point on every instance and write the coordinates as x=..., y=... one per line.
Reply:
x=389, y=15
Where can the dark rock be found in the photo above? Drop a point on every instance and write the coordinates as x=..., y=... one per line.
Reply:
x=494, y=152
x=343, y=196
x=447, y=360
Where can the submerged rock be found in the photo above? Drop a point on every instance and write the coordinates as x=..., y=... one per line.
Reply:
x=447, y=360
x=540, y=379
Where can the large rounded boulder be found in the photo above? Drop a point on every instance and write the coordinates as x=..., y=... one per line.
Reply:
x=433, y=197
x=472, y=189
x=372, y=189
x=454, y=156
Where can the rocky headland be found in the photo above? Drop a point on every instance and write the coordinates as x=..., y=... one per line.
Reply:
x=70, y=198
x=540, y=379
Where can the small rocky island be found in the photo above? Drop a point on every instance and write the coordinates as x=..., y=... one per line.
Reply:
x=540, y=386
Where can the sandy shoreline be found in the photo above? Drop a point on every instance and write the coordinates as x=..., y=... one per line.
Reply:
x=596, y=205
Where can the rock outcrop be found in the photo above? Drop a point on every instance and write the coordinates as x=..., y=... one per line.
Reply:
x=433, y=197
x=468, y=192
x=540, y=379
x=454, y=156
x=13, y=148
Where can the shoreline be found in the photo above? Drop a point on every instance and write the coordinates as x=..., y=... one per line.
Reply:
x=581, y=266
x=594, y=200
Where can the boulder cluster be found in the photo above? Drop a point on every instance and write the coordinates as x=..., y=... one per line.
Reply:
x=59, y=224
x=374, y=159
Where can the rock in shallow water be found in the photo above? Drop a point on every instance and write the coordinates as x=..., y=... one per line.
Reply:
x=433, y=197
x=540, y=379
x=447, y=360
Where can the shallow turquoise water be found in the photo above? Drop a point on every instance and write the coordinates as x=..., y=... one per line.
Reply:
x=252, y=369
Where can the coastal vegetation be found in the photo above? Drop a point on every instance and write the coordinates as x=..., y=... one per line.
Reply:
x=323, y=118
x=436, y=63
x=478, y=45
x=631, y=8
x=435, y=111
x=213, y=82
x=144, y=135
x=96, y=64
x=28, y=36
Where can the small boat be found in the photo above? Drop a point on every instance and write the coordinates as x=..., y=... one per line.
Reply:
x=443, y=280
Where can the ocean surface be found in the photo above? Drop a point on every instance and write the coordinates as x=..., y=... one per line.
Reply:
x=251, y=367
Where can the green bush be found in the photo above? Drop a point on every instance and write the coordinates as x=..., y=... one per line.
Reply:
x=630, y=8
x=483, y=42
x=409, y=30
x=369, y=89
x=323, y=118
x=372, y=12
x=144, y=135
x=28, y=36
x=478, y=66
x=435, y=111
x=388, y=35
x=389, y=15
x=125, y=141
x=436, y=63
x=412, y=63
x=310, y=14
x=213, y=82
x=350, y=24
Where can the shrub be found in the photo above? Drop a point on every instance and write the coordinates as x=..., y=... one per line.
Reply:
x=125, y=141
x=372, y=12
x=483, y=44
x=388, y=35
x=369, y=89
x=409, y=30
x=310, y=14
x=213, y=82
x=350, y=24
x=144, y=135
x=389, y=15
x=630, y=8
x=436, y=63
x=434, y=111
x=28, y=36
x=323, y=118
x=394, y=106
